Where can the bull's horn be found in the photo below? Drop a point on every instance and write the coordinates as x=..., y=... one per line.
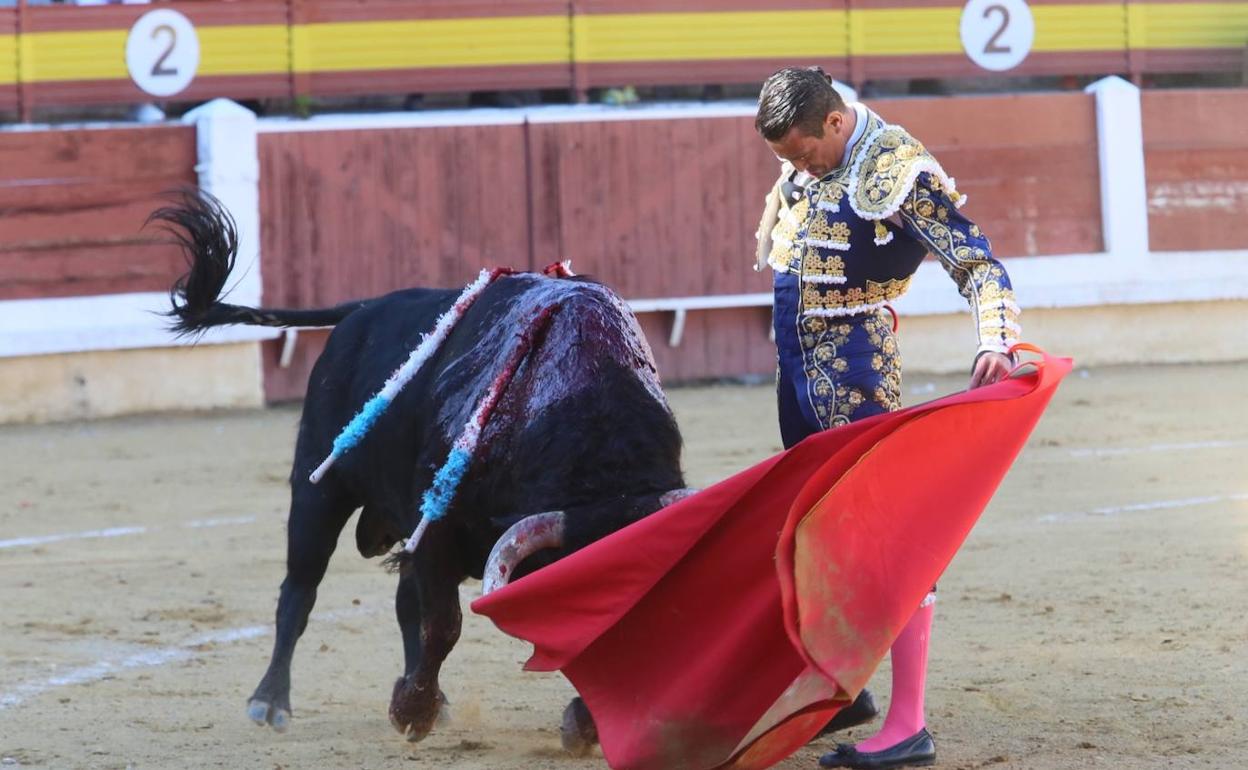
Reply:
x=523, y=539
x=673, y=496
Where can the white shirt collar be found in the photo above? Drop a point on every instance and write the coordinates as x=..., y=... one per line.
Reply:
x=860, y=127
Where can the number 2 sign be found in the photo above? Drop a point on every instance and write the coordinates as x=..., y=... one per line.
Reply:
x=997, y=34
x=162, y=52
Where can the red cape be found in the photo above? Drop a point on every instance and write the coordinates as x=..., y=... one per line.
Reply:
x=725, y=630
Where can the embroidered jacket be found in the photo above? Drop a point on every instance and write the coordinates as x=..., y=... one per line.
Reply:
x=856, y=236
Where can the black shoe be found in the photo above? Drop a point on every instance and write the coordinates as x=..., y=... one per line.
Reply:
x=916, y=751
x=861, y=711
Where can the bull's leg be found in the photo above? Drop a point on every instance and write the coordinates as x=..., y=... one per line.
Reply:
x=312, y=533
x=427, y=605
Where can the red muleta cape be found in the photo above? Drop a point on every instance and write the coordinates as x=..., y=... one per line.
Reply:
x=725, y=630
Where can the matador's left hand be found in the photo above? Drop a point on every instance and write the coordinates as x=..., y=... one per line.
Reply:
x=989, y=368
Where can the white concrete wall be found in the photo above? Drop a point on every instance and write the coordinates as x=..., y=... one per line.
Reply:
x=107, y=383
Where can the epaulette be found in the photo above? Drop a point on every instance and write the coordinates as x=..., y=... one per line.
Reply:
x=886, y=164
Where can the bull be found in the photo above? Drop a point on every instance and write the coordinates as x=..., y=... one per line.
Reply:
x=581, y=443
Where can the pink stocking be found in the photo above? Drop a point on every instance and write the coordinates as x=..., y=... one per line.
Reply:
x=905, y=708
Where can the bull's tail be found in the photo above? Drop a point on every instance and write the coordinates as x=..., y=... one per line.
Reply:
x=209, y=240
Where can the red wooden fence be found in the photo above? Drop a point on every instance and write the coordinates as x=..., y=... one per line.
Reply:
x=654, y=208
x=1197, y=169
x=72, y=204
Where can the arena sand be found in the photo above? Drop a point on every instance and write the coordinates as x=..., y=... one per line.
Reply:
x=1095, y=618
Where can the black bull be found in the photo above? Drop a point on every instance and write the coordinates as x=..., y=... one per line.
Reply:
x=582, y=429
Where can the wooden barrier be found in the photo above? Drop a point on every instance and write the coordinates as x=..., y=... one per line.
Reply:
x=652, y=207
x=72, y=204
x=9, y=100
x=1197, y=167
x=661, y=205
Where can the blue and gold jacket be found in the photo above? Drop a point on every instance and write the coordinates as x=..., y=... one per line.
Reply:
x=856, y=236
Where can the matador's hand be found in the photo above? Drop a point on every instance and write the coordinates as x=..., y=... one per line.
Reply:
x=989, y=368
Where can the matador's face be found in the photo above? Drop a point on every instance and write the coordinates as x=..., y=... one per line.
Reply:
x=816, y=155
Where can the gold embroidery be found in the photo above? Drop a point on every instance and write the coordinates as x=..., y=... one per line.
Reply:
x=980, y=278
x=820, y=366
x=885, y=170
x=837, y=402
x=887, y=362
x=816, y=263
x=817, y=297
x=823, y=229
x=831, y=195
x=784, y=249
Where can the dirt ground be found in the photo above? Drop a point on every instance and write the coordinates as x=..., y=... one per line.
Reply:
x=1095, y=618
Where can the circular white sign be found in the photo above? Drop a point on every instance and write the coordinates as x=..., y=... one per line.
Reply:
x=997, y=34
x=162, y=52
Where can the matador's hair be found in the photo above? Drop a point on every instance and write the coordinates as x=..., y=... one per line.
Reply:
x=796, y=96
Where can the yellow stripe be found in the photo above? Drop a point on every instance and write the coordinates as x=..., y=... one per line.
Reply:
x=1079, y=27
x=709, y=36
x=904, y=31
x=934, y=31
x=376, y=45
x=58, y=56
x=1188, y=25
x=101, y=54
x=370, y=45
x=246, y=50
x=8, y=60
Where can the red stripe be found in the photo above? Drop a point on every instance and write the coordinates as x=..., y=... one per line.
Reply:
x=386, y=10
x=699, y=72
x=440, y=79
x=860, y=5
x=958, y=65
x=61, y=18
x=275, y=85
x=704, y=6
x=1188, y=60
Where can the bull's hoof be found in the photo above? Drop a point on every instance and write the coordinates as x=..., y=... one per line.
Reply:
x=414, y=710
x=578, y=732
x=263, y=713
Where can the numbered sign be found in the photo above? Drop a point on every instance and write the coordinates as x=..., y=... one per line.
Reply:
x=997, y=34
x=162, y=52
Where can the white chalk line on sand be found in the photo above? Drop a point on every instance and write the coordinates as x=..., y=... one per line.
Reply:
x=1172, y=447
x=20, y=542
x=90, y=534
x=1155, y=505
x=186, y=650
